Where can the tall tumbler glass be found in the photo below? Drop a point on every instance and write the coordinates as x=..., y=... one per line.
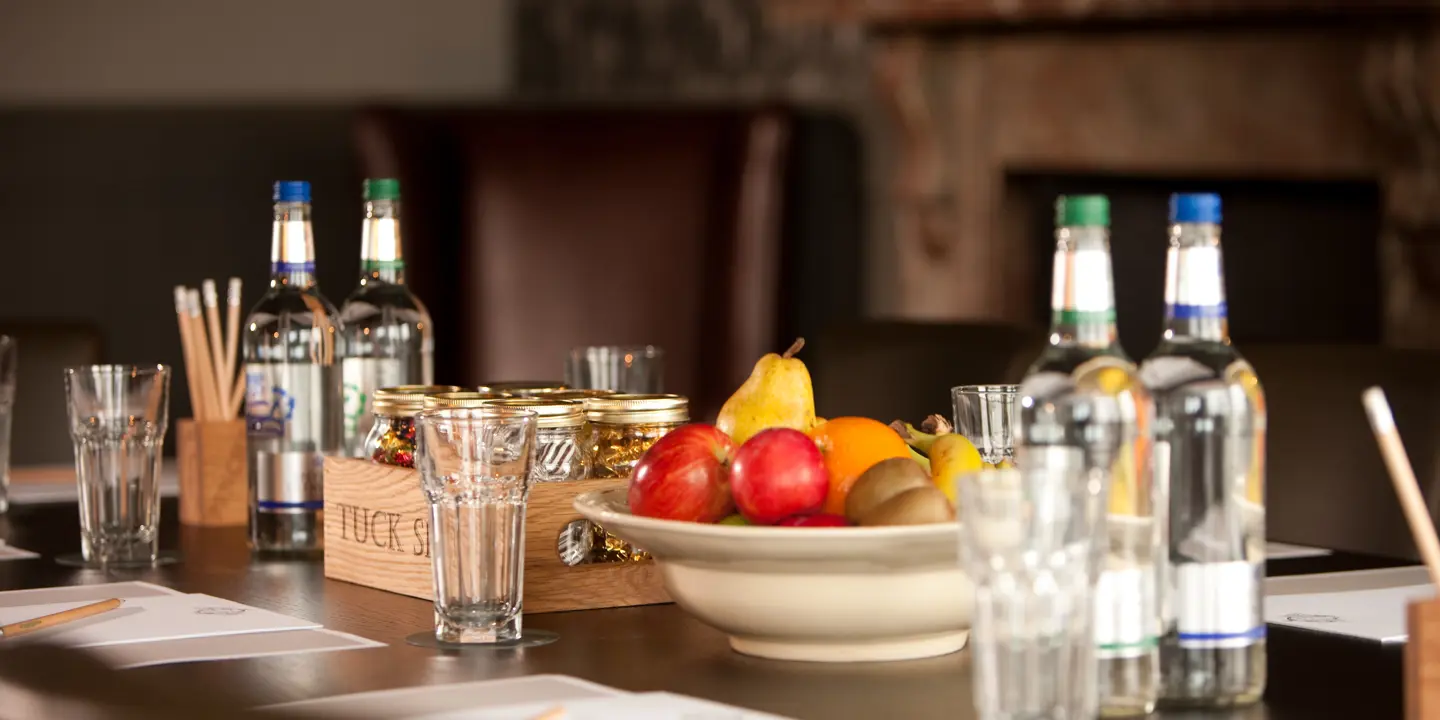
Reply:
x=985, y=415
x=1027, y=539
x=637, y=369
x=118, y=416
x=8, y=358
x=475, y=470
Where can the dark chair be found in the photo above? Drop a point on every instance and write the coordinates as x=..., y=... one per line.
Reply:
x=1327, y=484
x=39, y=432
x=531, y=231
x=890, y=370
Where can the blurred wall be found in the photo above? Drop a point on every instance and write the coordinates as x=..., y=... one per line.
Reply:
x=145, y=51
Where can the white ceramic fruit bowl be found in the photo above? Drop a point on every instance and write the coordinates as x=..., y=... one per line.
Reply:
x=820, y=594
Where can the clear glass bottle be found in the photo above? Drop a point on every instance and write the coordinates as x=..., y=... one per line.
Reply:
x=388, y=335
x=1210, y=453
x=391, y=440
x=1083, y=392
x=292, y=342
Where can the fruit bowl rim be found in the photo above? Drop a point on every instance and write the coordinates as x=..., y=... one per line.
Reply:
x=591, y=504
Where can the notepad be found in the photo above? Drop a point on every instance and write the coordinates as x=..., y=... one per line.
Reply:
x=10, y=552
x=643, y=706
x=151, y=619
x=1374, y=614
x=84, y=593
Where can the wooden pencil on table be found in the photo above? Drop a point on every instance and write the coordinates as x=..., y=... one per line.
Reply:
x=217, y=344
x=187, y=348
x=25, y=627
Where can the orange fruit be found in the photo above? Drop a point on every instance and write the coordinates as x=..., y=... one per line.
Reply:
x=851, y=445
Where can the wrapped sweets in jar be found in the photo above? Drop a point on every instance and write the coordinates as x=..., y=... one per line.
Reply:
x=561, y=452
x=392, y=438
x=524, y=388
x=622, y=428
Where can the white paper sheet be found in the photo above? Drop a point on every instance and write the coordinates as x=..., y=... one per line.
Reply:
x=1286, y=551
x=1376, y=614
x=231, y=647
x=84, y=593
x=418, y=702
x=645, y=706
x=149, y=619
x=10, y=552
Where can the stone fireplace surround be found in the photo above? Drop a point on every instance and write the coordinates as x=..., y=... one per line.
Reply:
x=1282, y=90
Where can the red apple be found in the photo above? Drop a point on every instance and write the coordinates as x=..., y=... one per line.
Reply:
x=821, y=520
x=684, y=476
x=778, y=473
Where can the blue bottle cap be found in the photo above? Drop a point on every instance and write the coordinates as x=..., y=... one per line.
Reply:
x=1195, y=208
x=292, y=191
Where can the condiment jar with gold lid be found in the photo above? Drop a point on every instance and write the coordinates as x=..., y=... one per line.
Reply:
x=461, y=399
x=623, y=427
x=391, y=440
x=524, y=388
x=561, y=449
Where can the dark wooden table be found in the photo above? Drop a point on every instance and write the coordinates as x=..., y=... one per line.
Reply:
x=647, y=648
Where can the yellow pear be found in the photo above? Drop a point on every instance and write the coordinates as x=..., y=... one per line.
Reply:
x=777, y=394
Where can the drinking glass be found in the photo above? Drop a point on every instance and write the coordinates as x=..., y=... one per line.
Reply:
x=118, y=415
x=638, y=369
x=8, y=360
x=1026, y=538
x=985, y=415
x=475, y=470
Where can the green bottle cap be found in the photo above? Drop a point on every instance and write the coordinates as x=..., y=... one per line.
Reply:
x=382, y=189
x=1084, y=210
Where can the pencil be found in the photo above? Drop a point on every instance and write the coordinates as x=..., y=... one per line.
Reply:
x=60, y=618
x=197, y=399
x=202, y=356
x=232, y=341
x=1402, y=474
x=217, y=346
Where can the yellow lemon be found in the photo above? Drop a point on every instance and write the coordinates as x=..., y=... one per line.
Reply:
x=951, y=456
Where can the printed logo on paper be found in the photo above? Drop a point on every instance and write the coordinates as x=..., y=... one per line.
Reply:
x=219, y=611
x=1308, y=618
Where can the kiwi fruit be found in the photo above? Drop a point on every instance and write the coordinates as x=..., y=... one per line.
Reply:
x=917, y=506
x=882, y=481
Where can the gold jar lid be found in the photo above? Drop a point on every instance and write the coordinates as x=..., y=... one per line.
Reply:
x=552, y=413
x=464, y=399
x=524, y=388
x=638, y=409
x=406, y=400
x=574, y=394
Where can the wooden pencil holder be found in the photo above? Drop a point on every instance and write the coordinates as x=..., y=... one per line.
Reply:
x=1422, y=660
x=214, y=486
x=377, y=534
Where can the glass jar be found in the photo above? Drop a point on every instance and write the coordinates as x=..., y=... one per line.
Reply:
x=391, y=440
x=623, y=427
x=524, y=388
x=561, y=448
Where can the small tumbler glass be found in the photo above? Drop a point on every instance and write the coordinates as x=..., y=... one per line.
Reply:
x=118, y=416
x=1027, y=540
x=637, y=369
x=475, y=470
x=985, y=415
x=8, y=359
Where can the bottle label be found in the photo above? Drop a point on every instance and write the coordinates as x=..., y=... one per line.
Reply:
x=381, y=265
x=285, y=268
x=289, y=483
x=1125, y=616
x=1217, y=605
x=268, y=408
x=1194, y=283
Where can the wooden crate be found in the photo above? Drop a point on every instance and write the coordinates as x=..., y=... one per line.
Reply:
x=1422, y=660
x=377, y=534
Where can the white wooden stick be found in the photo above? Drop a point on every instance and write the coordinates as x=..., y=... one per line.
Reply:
x=182, y=315
x=1422, y=527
